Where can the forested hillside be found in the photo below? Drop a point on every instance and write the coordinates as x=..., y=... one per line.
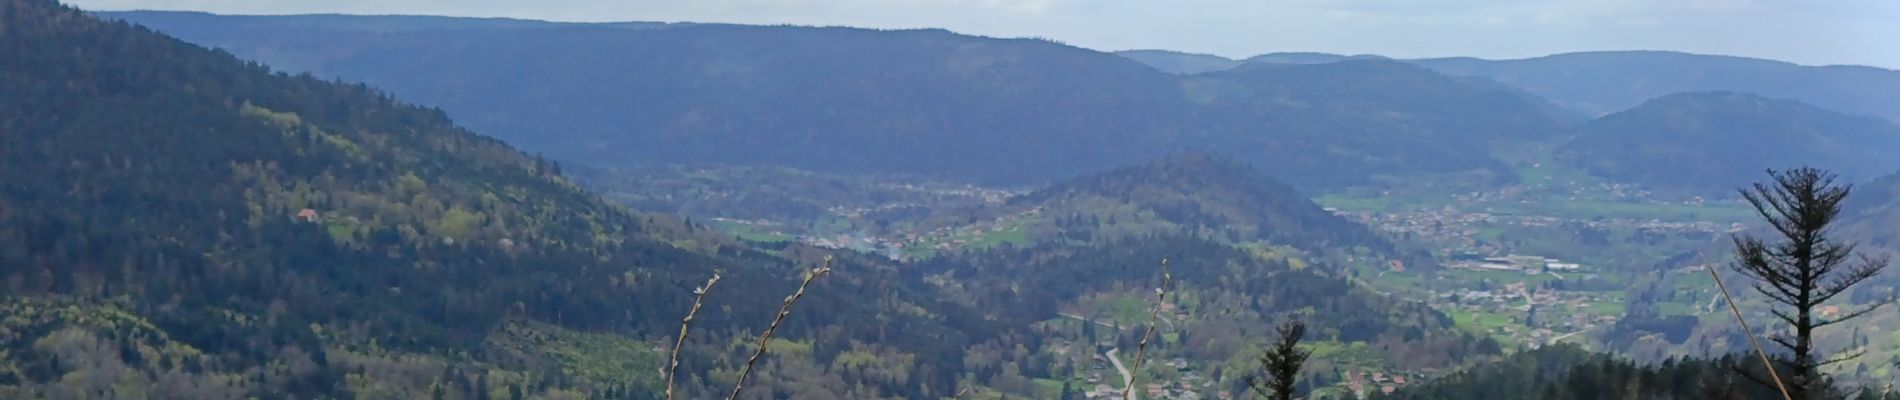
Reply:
x=1075, y=302
x=229, y=214
x=180, y=223
x=1571, y=373
x=1874, y=211
x=842, y=100
x=1598, y=83
x=1419, y=120
x=1221, y=282
x=1197, y=194
x=1604, y=82
x=1716, y=141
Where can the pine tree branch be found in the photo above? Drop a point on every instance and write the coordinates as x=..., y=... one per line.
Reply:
x=1853, y=314
x=1836, y=360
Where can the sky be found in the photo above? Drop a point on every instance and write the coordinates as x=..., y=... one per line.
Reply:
x=1815, y=32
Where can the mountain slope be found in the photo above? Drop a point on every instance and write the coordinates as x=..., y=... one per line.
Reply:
x=1175, y=62
x=1598, y=83
x=824, y=99
x=1872, y=210
x=1194, y=193
x=192, y=23
x=1719, y=140
x=1221, y=295
x=175, y=216
x=1368, y=118
x=1304, y=58
x=840, y=100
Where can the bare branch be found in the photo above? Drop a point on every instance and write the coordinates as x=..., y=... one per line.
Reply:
x=783, y=310
x=1154, y=315
x=673, y=367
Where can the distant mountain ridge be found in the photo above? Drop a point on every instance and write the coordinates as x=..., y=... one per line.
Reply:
x=187, y=20
x=1717, y=141
x=843, y=100
x=1602, y=82
x=1599, y=83
x=1175, y=62
x=1308, y=58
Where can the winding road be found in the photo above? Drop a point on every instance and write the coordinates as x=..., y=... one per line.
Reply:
x=1127, y=378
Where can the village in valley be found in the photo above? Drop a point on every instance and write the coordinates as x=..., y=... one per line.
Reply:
x=1543, y=263
x=1511, y=269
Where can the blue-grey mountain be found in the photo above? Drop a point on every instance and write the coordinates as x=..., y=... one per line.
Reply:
x=1717, y=141
x=854, y=100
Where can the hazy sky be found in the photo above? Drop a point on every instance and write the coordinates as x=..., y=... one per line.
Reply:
x=1804, y=31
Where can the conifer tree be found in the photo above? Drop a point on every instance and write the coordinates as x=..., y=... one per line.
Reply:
x=1805, y=269
x=1280, y=364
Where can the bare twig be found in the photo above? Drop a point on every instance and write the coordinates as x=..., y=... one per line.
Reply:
x=766, y=338
x=673, y=367
x=1746, y=331
x=1154, y=314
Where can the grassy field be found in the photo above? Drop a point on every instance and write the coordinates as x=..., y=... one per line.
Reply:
x=751, y=232
x=1580, y=208
x=1606, y=308
x=1049, y=388
x=1481, y=321
x=1016, y=235
x=1486, y=323
x=1587, y=209
x=1380, y=204
x=1014, y=232
x=1384, y=280
x=1129, y=310
x=1498, y=277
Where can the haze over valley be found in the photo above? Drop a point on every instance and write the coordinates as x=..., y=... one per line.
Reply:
x=198, y=205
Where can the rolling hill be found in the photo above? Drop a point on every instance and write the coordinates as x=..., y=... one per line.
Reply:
x=1225, y=295
x=1717, y=141
x=1175, y=62
x=855, y=101
x=1195, y=194
x=1598, y=83
x=1604, y=82
x=1307, y=58
x=1244, y=252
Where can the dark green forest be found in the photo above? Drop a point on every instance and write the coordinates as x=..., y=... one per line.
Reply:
x=1571, y=373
